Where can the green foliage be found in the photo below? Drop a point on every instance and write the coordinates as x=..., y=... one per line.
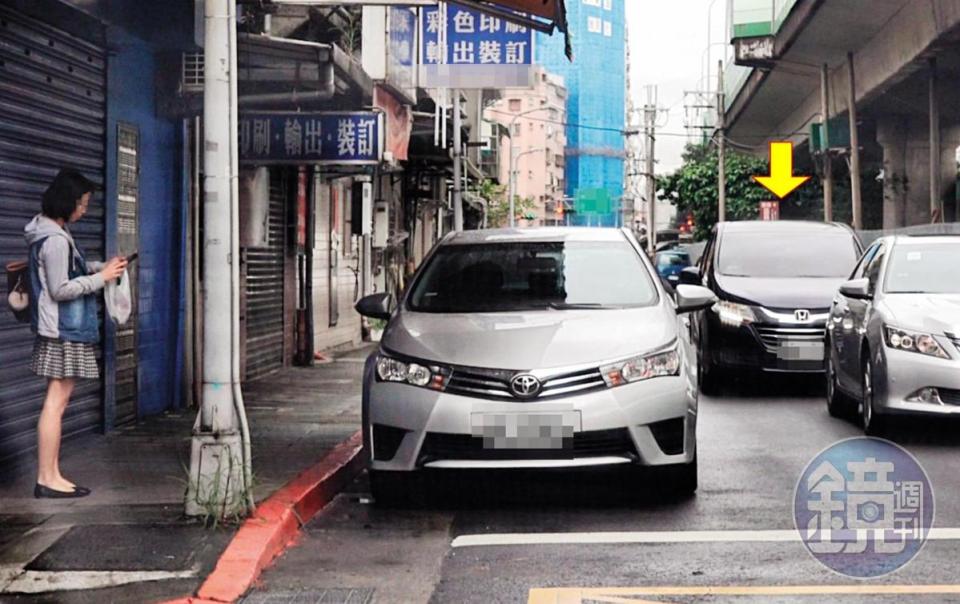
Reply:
x=498, y=209
x=694, y=187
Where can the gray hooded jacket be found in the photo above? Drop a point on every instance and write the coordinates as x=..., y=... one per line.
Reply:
x=53, y=262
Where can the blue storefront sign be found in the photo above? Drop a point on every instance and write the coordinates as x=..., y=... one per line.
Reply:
x=472, y=38
x=351, y=138
x=402, y=45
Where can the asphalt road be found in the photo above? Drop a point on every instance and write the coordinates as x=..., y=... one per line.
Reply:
x=754, y=441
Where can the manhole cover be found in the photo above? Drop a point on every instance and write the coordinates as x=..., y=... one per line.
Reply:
x=332, y=595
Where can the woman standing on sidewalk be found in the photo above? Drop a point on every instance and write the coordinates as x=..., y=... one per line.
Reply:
x=63, y=308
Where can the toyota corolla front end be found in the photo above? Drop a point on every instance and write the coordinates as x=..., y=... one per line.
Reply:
x=513, y=350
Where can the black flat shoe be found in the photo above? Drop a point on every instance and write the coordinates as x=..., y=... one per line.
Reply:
x=42, y=492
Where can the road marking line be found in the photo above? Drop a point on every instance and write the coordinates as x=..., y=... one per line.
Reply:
x=576, y=595
x=618, y=537
x=36, y=582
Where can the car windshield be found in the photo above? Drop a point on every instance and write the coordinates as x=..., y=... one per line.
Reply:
x=787, y=255
x=929, y=268
x=668, y=260
x=503, y=277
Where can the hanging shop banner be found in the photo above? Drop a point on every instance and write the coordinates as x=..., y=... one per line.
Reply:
x=398, y=123
x=343, y=138
x=464, y=48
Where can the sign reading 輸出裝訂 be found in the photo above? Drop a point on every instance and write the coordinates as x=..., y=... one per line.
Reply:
x=354, y=137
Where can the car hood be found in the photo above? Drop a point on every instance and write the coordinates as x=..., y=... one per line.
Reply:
x=805, y=293
x=530, y=340
x=932, y=313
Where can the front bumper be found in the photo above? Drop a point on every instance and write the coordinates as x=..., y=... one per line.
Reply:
x=646, y=423
x=758, y=346
x=899, y=375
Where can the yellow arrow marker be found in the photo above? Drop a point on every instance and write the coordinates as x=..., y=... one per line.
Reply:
x=781, y=181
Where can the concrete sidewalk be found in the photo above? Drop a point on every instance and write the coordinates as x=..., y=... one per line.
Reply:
x=128, y=541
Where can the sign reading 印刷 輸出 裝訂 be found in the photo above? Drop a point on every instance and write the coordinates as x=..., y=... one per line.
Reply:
x=354, y=137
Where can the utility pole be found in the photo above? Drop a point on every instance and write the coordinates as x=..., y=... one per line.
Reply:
x=220, y=448
x=457, y=166
x=854, y=148
x=936, y=209
x=650, y=125
x=825, y=140
x=721, y=147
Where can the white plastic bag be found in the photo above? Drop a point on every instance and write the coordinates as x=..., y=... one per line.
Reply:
x=117, y=298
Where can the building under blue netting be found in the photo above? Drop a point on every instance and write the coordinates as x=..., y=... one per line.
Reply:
x=596, y=83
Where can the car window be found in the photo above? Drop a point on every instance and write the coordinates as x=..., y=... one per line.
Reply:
x=784, y=254
x=513, y=276
x=861, y=268
x=873, y=267
x=930, y=268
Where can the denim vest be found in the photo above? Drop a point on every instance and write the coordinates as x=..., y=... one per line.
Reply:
x=77, y=319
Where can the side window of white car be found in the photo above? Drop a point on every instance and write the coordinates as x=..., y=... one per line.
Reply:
x=861, y=268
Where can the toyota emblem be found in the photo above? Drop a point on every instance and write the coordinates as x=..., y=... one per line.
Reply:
x=802, y=316
x=525, y=386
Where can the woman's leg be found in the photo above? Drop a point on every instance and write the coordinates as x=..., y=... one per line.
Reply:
x=48, y=434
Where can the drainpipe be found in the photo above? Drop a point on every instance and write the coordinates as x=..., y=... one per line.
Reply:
x=219, y=456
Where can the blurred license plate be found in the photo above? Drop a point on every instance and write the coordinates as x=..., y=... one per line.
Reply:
x=526, y=430
x=800, y=351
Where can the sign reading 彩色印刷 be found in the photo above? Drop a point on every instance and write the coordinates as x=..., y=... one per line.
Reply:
x=465, y=48
x=348, y=138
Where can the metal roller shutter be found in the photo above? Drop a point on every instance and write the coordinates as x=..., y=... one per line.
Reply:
x=52, y=114
x=264, y=290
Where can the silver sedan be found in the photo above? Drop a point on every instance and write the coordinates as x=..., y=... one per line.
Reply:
x=545, y=348
x=894, y=333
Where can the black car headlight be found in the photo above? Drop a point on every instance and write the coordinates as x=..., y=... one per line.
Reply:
x=640, y=368
x=912, y=341
x=423, y=375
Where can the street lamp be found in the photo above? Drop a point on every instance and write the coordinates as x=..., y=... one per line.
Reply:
x=511, y=190
x=513, y=178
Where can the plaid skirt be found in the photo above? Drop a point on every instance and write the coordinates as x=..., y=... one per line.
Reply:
x=58, y=359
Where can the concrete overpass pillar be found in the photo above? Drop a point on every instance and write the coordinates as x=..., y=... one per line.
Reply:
x=906, y=167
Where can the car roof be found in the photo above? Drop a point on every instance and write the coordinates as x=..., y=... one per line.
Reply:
x=783, y=226
x=925, y=239
x=548, y=234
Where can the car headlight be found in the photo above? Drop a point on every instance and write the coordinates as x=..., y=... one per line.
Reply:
x=732, y=314
x=641, y=368
x=433, y=377
x=911, y=341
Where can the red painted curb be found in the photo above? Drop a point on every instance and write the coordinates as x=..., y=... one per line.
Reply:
x=276, y=524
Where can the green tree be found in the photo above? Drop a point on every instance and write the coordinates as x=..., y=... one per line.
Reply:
x=694, y=187
x=498, y=209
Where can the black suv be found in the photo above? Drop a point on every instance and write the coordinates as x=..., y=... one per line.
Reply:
x=775, y=282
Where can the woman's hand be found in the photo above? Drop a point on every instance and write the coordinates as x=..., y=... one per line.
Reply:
x=114, y=269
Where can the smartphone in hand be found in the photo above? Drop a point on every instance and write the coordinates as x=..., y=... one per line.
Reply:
x=133, y=257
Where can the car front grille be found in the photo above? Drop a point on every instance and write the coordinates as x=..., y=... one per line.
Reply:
x=773, y=337
x=956, y=341
x=949, y=397
x=495, y=384
x=598, y=443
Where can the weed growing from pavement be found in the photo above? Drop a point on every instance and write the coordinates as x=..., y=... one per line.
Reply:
x=218, y=510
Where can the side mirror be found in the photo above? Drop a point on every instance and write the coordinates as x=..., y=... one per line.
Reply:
x=691, y=276
x=376, y=306
x=858, y=289
x=691, y=298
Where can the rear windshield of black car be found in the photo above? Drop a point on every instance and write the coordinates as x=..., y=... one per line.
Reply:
x=518, y=276
x=787, y=255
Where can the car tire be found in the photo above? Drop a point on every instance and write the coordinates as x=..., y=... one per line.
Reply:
x=682, y=479
x=396, y=489
x=707, y=373
x=874, y=424
x=838, y=404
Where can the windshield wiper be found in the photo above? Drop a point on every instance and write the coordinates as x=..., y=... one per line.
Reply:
x=576, y=306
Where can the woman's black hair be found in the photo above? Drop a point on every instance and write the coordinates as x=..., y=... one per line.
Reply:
x=62, y=196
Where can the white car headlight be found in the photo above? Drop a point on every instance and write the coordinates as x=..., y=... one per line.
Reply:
x=642, y=368
x=912, y=341
x=433, y=377
x=732, y=314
